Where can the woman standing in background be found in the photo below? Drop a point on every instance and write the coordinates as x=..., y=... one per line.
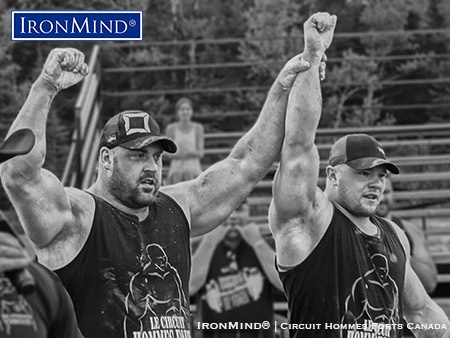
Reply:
x=185, y=163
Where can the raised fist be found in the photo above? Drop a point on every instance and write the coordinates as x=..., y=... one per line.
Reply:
x=318, y=31
x=64, y=68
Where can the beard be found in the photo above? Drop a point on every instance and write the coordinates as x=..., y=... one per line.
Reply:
x=132, y=196
x=357, y=208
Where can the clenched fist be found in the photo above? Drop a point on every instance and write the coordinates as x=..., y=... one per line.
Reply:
x=319, y=31
x=64, y=68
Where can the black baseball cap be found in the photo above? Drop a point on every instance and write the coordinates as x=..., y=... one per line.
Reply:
x=134, y=129
x=19, y=142
x=360, y=151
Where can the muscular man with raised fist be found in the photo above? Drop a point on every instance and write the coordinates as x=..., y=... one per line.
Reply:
x=98, y=240
x=345, y=271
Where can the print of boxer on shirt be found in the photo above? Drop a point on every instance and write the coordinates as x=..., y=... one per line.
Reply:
x=155, y=294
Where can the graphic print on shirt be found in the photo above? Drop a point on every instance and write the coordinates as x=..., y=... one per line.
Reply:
x=373, y=302
x=156, y=298
x=237, y=287
x=15, y=311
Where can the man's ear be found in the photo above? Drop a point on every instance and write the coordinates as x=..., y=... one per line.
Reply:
x=106, y=158
x=331, y=174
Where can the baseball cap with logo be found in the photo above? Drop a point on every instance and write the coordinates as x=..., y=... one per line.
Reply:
x=19, y=142
x=360, y=151
x=134, y=129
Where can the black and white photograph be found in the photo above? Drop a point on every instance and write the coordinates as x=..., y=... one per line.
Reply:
x=225, y=169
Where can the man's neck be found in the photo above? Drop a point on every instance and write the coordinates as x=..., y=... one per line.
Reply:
x=141, y=213
x=362, y=222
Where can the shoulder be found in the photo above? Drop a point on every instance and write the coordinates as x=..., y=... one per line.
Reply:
x=400, y=234
x=198, y=127
x=179, y=193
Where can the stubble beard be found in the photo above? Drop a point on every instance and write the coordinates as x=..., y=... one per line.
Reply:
x=357, y=208
x=132, y=197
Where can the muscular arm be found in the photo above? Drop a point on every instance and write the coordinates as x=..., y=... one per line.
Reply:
x=421, y=260
x=418, y=307
x=43, y=205
x=295, y=189
x=210, y=198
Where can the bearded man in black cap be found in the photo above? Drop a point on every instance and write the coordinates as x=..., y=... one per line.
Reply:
x=345, y=271
x=33, y=301
x=96, y=239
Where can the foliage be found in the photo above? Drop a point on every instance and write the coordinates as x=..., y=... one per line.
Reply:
x=176, y=33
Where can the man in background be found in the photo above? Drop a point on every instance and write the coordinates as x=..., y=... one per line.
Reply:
x=233, y=273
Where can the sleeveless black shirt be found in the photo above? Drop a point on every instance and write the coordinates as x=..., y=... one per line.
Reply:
x=351, y=285
x=131, y=278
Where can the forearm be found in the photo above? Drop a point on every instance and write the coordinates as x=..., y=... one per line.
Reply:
x=33, y=115
x=304, y=109
x=260, y=147
x=201, y=260
x=266, y=256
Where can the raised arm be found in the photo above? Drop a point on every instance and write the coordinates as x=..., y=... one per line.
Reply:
x=266, y=255
x=201, y=258
x=295, y=190
x=210, y=198
x=43, y=205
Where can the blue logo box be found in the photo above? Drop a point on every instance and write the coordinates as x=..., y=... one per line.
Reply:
x=76, y=25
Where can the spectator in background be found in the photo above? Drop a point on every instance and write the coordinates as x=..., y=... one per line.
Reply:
x=34, y=303
x=233, y=272
x=185, y=163
x=421, y=260
x=420, y=257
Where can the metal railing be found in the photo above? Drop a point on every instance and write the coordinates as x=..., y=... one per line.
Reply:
x=80, y=163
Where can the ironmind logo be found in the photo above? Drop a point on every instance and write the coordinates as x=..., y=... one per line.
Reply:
x=76, y=25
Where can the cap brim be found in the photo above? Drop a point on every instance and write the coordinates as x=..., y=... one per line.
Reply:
x=167, y=144
x=372, y=162
x=19, y=142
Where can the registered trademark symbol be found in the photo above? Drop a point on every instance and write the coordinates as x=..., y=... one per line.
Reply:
x=132, y=23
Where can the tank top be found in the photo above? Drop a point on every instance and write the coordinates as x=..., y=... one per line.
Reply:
x=186, y=141
x=350, y=285
x=131, y=278
x=236, y=290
